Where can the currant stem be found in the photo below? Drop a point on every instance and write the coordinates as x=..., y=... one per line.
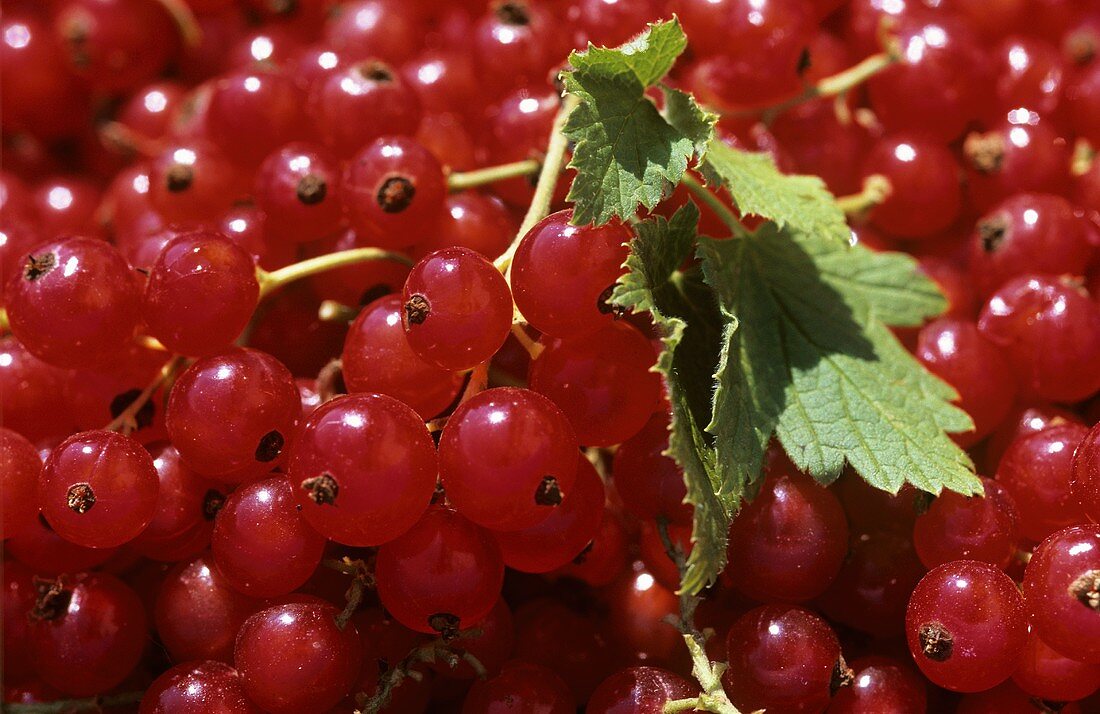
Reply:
x=832, y=86
x=548, y=180
x=126, y=421
x=534, y=349
x=121, y=138
x=876, y=189
x=332, y=311
x=185, y=20
x=71, y=706
x=715, y=204
x=272, y=281
x=479, y=177
x=5, y=326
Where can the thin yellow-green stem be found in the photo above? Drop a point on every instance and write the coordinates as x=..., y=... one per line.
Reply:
x=271, y=281
x=126, y=419
x=876, y=188
x=463, y=180
x=712, y=201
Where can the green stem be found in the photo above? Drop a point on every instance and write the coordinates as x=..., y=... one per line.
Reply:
x=491, y=174
x=715, y=204
x=832, y=86
x=548, y=180
x=185, y=20
x=272, y=281
x=126, y=421
x=876, y=188
x=72, y=706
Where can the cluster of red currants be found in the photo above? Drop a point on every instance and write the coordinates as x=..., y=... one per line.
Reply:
x=273, y=527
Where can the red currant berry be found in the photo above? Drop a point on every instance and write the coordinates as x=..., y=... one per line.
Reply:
x=1060, y=586
x=957, y=527
x=521, y=686
x=639, y=690
x=1045, y=674
x=361, y=102
x=198, y=686
x=650, y=483
x=1037, y=470
x=297, y=188
x=925, y=193
x=20, y=467
x=881, y=684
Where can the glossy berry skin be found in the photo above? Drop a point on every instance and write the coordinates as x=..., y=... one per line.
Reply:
x=649, y=483
x=1037, y=470
x=605, y=558
x=561, y=536
x=363, y=469
x=1028, y=233
x=90, y=635
x=506, y=457
x=966, y=626
x=1024, y=420
x=926, y=195
x=1082, y=100
x=957, y=527
x=20, y=467
x=49, y=554
x=262, y=545
x=393, y=191
x=253, y=112
x=521, y=687
x=248, y=389
x=443, y=573
x=1045, y=674
x=1050, y=331
x=360, y=103
x=639, y=690
x=74, y=302
x=561, y=274
x=151, y=110
x=1021, y=154
x=782, y=659
x=377, y=358
x=458, y=309
x=1086, y=474
x=473, y=220
x=789, y=542
x=201, y=292
x=98, y=489
x=1060, y=585
x=34, y=403
x=190, y=180
x=298, y=189
x=601, y=382
x=197, y=613
x=186, y=506
x=17, y=598
x=205, y=686
x=881, y=684
x=293, y=658
x=513, y=45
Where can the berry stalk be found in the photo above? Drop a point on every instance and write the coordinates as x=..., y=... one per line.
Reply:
x=876, y=189
x=126, y=421
x=491, y=174
x=837, y=84
x=272, y=281
x=715, y=204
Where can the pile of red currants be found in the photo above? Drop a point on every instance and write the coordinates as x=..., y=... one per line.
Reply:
x=307, y=407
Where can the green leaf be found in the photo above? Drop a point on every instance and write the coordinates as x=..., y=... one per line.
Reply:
x=684, y=311
x=626, y=153
x=813, y=362
x=759, y=188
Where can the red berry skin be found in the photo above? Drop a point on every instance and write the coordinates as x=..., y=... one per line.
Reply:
x=979, y=608
x=361, y=102
x=521, y=687
x=20, y=467
x=473, y=220
x=781, y=659
x=1023, y=420
x=514, y=45
x=363, y=469
x=74, y=303
x=294, y=659
x=444, y=570
x=458, y=309
x=1028, y=233
x=605, y=558
x=1050, y=331
x=496, y=453
x=253, y=112
x=65, y=204
x=649, y=483
x=563, y=534
x=1006, y=698
x=1037, y=471
x=298, y=188
x=377, y=358
x=788, y=543
x=98, y=489
x=192, y=180
x=639, y=690
x=16, y=601
x=492, y=647
x=1082, y=102
x=201, y=293
x=184, y=508
x=1022, y=154
x=393, y=191
x=926, y=196
x=197, y=614
x=1045, y=674
x=1057, y=584
x=881, y=684
x=205, y=686
x=561, y=272
x=93, y=639
x=261, y=544
x=1086, y=474
x=601, y=382
x=957, y=527
x=49, y=554
x=246, y=388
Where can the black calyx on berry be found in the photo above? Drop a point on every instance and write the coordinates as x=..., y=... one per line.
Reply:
x=270, y=446
x=396, y=194
x=548, y=493
x=842, y=676
x=985, y=152
x=311, y=189
x=322, y=489
x=1086, y=589
x=445, y=624
x=513, y=13
x=375, y=71
x=179, y=177
x=417, y=309
x=80, y=497
x=52, y=600
x=39, y=265
x=936, y=641
x=992, y=232
x=212, y=502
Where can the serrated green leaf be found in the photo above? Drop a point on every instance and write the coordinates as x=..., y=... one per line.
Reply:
x=684, y=312
x=626, y=153
x=691, y=120
x=813, y=361
x=759, y=188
